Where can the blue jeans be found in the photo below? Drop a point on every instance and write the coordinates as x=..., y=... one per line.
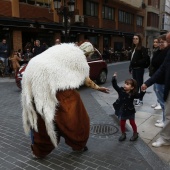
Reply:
x=159, y=91
x=5, y=60
x=165, y=133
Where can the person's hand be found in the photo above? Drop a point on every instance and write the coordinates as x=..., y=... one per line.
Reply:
x=143, y=87
x=115, y=74
x=103, y=89
x=130, y=71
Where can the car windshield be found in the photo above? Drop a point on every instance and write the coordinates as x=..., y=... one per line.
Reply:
x=95, y=56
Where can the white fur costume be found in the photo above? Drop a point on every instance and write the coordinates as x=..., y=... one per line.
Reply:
x=60, y=67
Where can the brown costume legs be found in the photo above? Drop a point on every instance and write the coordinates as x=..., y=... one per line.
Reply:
x=42, y=145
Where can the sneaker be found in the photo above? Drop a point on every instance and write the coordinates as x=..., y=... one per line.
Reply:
x=122, y=137
x=161, y=124
x=134, y=137
x=136, y=101
x=140, y=103
x=160, y=142
x=154, y=105
x=158, y=107
x=159, y=121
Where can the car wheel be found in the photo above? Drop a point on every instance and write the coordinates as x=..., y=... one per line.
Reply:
x=102, y=77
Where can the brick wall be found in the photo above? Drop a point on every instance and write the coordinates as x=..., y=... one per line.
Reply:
x=91, y=22
x=17, y=40
x=36, y=12
x=5, y=8
x=125, y=27
x=108, y=24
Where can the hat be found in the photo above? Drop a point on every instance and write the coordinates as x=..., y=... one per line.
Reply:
x=87, y=48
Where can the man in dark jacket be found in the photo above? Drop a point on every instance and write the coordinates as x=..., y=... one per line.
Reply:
x=163, y=71
x=38, y=49
x=4, y=54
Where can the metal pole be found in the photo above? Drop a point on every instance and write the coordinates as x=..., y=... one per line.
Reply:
x=65, y=20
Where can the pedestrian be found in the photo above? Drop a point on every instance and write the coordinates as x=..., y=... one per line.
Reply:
x=163, y=71
x=137, y=63
x=57, y=41
x=124, y=107
x=4, y=52
x=157, y=60
x=156, y=106
x=15, y=62
x=38, y=49
x=52, y=108
x=28, y=55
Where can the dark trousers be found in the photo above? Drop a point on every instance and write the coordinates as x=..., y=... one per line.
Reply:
x=138, y=74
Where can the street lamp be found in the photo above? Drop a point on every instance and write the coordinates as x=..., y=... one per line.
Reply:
x=66, y=10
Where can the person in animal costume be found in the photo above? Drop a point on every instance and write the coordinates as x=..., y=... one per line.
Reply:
x=52, y=107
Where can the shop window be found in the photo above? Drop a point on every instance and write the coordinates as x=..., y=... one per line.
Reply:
x=118, y=46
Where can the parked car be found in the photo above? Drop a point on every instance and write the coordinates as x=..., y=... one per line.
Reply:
x=98, y=69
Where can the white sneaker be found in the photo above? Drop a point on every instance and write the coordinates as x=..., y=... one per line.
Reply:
x=159, y=121
x=136, y=101
x=158, y=107
x=161, y=124
x=154, y=105
x=160, y=142
x=140, y=103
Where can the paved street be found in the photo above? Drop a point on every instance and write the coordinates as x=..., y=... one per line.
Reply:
x=105, y=152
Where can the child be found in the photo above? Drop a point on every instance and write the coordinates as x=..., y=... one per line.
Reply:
x=124, y=107
x=15, y=62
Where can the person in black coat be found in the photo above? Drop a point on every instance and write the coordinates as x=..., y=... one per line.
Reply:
x=163, y=71
x=137, y=63
x=4, y=52
x=157, y=60
x=124, y=107
x=38, y=49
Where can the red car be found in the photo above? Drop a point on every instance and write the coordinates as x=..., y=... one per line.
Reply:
x=98, y=69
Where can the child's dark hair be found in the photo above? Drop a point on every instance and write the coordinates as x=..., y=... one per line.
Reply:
x=133, y=83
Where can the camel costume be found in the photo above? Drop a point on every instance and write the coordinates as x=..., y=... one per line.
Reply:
x=51, y=105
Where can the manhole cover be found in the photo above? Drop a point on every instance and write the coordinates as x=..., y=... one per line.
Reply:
x=103, y=129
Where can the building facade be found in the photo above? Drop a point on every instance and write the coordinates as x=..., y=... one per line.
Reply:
x=164, y=16
x=152, y=28
x=106, y=23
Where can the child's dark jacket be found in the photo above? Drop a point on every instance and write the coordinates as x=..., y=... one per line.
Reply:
x=124, y=106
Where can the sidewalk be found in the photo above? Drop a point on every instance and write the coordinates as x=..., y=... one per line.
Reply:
x=105, y=151
x=145, y=119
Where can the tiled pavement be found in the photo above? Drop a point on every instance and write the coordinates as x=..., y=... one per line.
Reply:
x=105, y=152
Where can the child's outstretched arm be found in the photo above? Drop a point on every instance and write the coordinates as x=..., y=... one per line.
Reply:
x=114, y=83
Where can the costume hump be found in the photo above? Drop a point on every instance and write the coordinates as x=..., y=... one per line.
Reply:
x=61, y=67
